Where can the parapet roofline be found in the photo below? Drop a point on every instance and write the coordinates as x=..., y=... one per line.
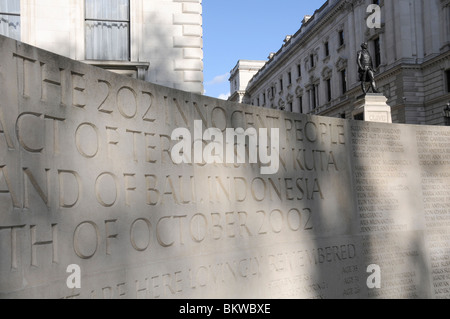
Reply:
x=298, y=36
x=241, y=64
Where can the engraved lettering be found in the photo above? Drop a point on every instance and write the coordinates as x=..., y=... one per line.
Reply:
x=4, y=131
x=52, y=83
x=243, y=216
x=127, y=102
x=219, y=118
x=229, y=223
x=112, y=141
x=180, y=112
x=263, y=219
x=135, y=143
x=32, y=137
x=7, y=187
x=217, y=228
x=106, y=189
x=151, y=181
x=130, y=185
x=87, y=140
x=200, y=223
x=258, y=192
x=103, y=106
x=159, y=233
x=43, y=195
x=276, y=221
x=86, y=239
x=69, y=194
x=149, y=148
x=35, y=243
x=78, y=90
x=139, y=230
x=146, y=116
x=108, y=225
x=56, y=142
x=13, y=231
x=23, y=73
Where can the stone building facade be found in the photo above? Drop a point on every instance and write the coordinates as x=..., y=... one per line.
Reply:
x=159, y=41
x=315, y=70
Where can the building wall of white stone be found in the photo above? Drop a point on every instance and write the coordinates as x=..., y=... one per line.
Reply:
x=241, y=74
x=414, y=52
x=165, y=37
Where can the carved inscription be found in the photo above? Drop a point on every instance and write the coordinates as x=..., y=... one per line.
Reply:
x=434, y=152
x=434, y=157
x=439, y=243
x=304, y=273
x=104, y=147
x=381, y=177
x=87, y=178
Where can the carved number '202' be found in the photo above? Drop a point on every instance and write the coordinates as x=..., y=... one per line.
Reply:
x=276, y=220
x=124, y=93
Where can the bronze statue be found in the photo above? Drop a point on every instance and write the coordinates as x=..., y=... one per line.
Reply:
x=365, y=69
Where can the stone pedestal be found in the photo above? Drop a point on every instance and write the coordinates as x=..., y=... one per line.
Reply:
x=372, y=107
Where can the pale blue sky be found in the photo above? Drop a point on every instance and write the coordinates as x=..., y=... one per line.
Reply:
x=245, y=29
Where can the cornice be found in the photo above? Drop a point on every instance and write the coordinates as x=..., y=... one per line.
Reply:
x=436, y=60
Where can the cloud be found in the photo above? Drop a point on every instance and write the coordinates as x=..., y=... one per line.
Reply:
x=224, y=96
x=219, y=79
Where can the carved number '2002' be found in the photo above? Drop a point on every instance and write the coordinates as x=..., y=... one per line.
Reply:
x=276, y=220
x=126, y=100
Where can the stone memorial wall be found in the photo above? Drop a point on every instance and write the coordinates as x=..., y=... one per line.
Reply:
x=88, y=186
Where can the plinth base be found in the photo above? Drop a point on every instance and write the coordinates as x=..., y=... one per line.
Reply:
x=372, y=107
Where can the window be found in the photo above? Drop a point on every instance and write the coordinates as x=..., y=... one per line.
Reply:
x=313, y=96
x=290, y=107
x=328, y=82
x=327, y=49
x=10, y=18
x=289, y=78
x=311, y=59
x=281, y=85
x=108, y=30
x=264, y=98
x=344, y=81
x=377, y=52
x=299, y=70
x=316, y=95
x=300, y=103
x=341, y=38
x=447, y=75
